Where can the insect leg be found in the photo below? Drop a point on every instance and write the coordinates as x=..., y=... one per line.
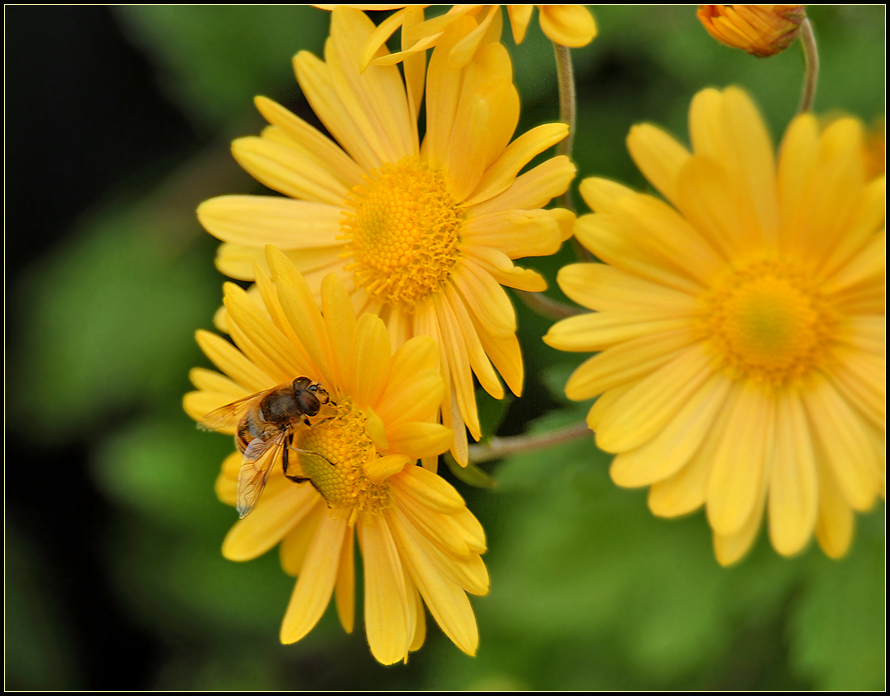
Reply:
x=285, y=461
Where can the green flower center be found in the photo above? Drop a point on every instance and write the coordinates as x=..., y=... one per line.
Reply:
x=769, y=322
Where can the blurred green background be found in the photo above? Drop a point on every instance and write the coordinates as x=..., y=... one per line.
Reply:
x=118, y=123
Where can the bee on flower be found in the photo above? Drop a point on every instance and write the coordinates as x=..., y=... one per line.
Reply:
x=363, y=414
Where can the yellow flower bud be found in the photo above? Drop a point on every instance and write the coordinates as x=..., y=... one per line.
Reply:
x=761, y=30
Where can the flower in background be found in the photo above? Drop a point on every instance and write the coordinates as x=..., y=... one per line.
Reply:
x=421, y=234
x=416, y=536
x=761, y=30
x=566, y=25
x=741, y=332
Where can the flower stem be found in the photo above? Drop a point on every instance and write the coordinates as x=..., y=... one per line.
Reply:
x=546, y=307
x=811, y=66
x=565, y=80
x=498, y=447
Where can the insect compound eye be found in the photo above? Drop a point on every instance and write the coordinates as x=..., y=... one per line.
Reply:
x=308, y=402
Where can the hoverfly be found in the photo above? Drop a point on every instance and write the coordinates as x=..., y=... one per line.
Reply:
x=266, y=427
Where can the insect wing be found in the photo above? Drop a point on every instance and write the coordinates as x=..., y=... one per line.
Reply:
x=229, y=415
x=256, y=466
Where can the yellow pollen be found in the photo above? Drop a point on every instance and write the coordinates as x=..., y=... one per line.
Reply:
x=768, y=322
x=344, y=445
x=401, y=229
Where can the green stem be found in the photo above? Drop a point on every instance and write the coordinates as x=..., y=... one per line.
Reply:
x=546, y=307
x=498, y=447
x=811, y=66
x=565, y=80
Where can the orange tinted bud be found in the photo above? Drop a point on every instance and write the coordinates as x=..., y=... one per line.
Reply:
x=761, y=30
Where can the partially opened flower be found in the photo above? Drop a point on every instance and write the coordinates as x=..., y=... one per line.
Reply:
x=741, y=331
x=761, y=30
x=419, y=543
x=566, y=25
x=421, y=234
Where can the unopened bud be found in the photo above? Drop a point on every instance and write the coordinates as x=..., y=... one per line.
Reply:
x=761, y=30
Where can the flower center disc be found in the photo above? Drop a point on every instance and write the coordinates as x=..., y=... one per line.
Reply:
x=401, y=227
x=344, y=445
x=769, y=323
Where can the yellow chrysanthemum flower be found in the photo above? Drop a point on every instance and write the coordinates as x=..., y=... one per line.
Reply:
x=742, y=330
x=761, y=30
x=421, y=234
x=566, y=25
x=416, y=536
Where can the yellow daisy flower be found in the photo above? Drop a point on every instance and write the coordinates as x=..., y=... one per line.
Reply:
x=421, y=234
x=741, y=331
x=416, y=536
x=566, y=25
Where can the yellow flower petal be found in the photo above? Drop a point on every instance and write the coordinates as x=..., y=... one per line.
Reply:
x=649, y=405
x=531, y=190
x=658, y=156
x=316, y=583
x=228, y=359
x=501, y=268
x=446, y=600
x=313, y=143
x=603, y=288
x=793, y=487
x=516, y=233
x=600, y=331
x=850, y=451
x=387, y=612
x=282, y=169
x=626, y=363
x=344, y=590
x=269, y=522
x=675, y=445
x=381, y=468
x=274, y=353
x=606, y=238
x=261, y=220
x=687, y=489
x=429, y=488
x=740, y=462
x=515, y=156
x=371, y=351
x=418, y=439
x=835, y=524
x=471, y=326
x=567, y=25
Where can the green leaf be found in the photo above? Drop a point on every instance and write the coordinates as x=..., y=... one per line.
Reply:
x=165, y=469
x=491, y=411
x=470, y=474
x=111, y=316
x=838, y=625
x=218, y=57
